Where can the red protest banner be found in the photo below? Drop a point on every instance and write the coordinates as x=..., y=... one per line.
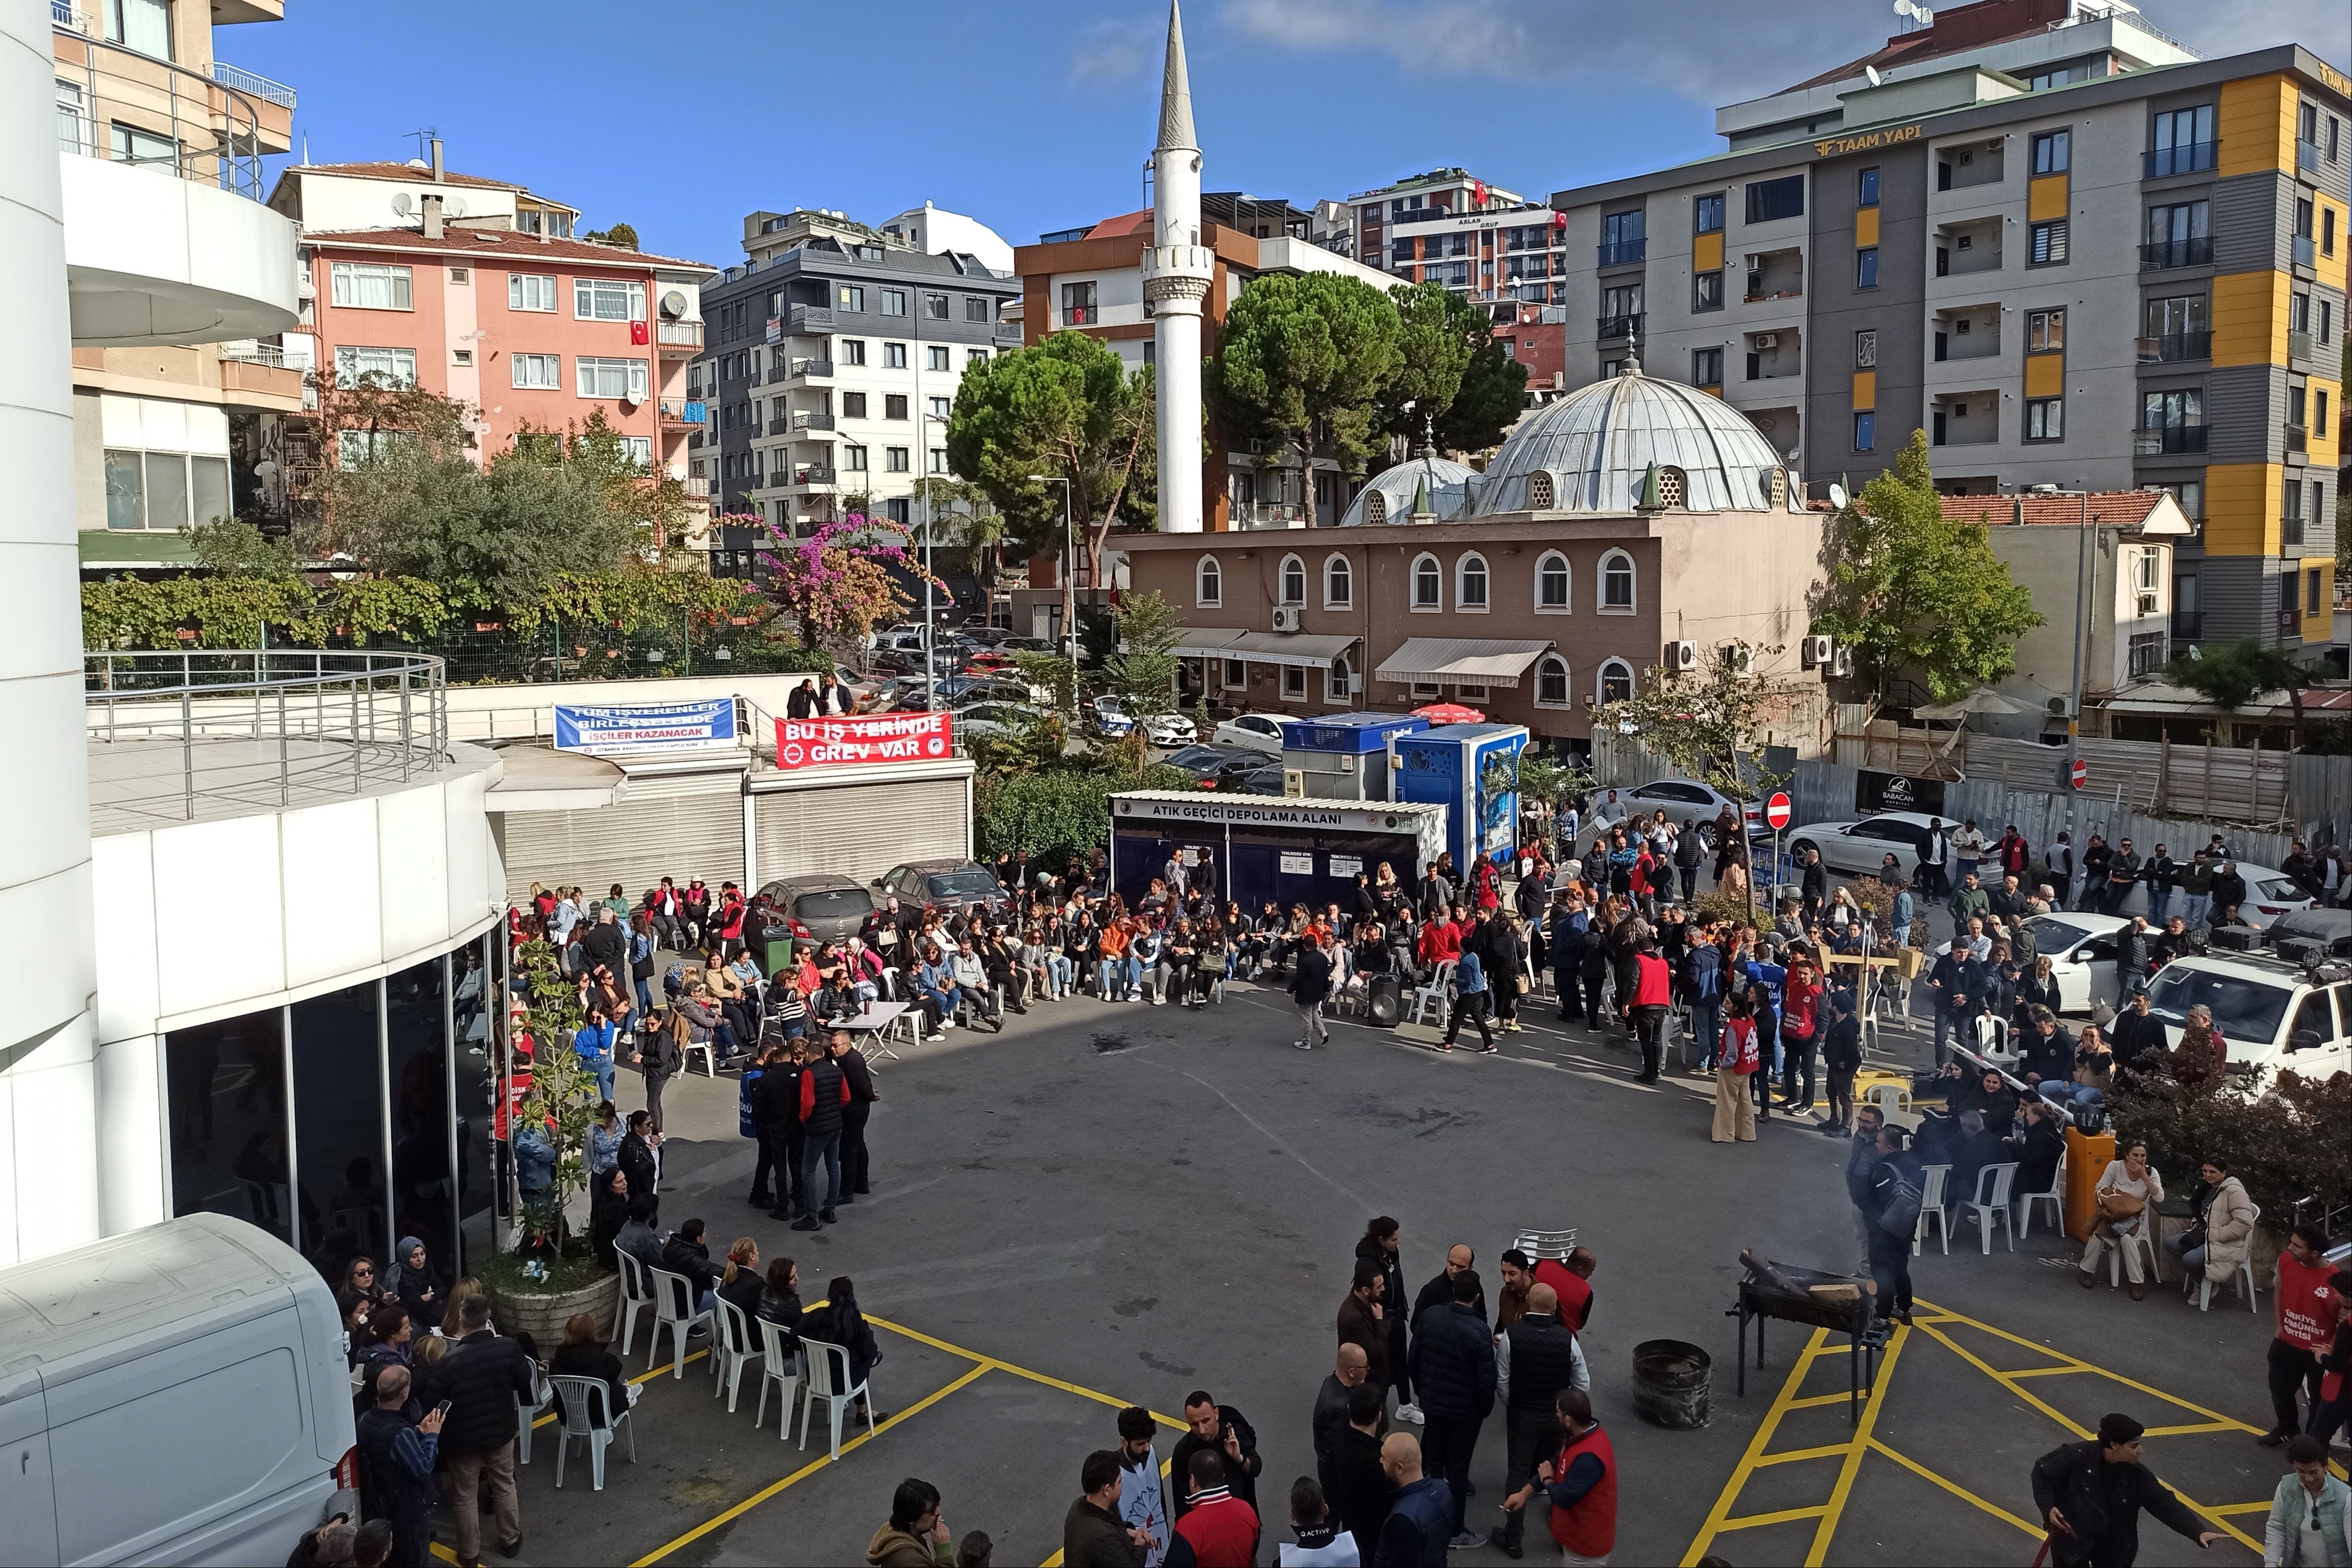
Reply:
x=864, y=737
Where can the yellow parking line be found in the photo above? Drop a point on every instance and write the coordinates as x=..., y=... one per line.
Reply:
x=1917, y=1469
x=1718, y=1515
x=1836, y=1509
x=2077, y=1363
x=1757, y=1521
x=2238, y=1508
x=2192, y=1428
x=1095, y=1395
x=1812, y=1400
x=1794, y=1455
x=2035, y=1371
x=764, y=1493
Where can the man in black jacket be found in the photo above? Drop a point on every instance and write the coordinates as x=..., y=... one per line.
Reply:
x=1379, y=1243
x=2136, y=1036
x=824, y=1093
x=482, y=1377
x=2046, y=1054
x=1536, y=1358
x=1439, y=1292
x=776, y=1110
x=1225, y=1429
x=1360, y=1489
x=2090, y=1495
x=1310, y=986
x=396, y=1468
x=1351, y=1372
x=854, y=1115
x=686, y=1253
x=1453, y=1371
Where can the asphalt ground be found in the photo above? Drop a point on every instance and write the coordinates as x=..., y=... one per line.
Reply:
x=1115, y=1204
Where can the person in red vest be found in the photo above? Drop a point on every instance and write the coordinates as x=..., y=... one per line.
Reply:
x=1581, y=1481
x=2307, y=1330
x=727, y=921
x=1572, y=1282
x=1218, y=1530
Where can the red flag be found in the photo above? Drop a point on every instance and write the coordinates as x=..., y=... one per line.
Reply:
x=1478, y=192
x=1559, y=220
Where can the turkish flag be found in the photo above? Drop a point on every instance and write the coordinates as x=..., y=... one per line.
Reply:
x=1559, y=220
x=640, y=333
x=1478, y=192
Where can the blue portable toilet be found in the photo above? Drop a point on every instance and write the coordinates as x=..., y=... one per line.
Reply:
x=1447, y=765
x=1344, y=756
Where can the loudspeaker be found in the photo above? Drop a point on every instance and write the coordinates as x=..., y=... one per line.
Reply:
x=1384, y=1001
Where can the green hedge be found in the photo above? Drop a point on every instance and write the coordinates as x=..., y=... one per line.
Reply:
x=1054, y=813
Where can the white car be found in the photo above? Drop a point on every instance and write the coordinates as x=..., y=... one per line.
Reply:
x=2271, y=1014
x=2081, y=953
x=1256, y=731
x=1687, y=803
x=993, y=720
x=1858, y=849
x=1165, y=731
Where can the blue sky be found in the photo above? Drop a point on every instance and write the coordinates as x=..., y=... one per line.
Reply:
x=1035, y=115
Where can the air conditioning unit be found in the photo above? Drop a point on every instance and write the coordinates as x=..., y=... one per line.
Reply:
x=1741, y=657
x=1841, y=663
x=1816, y=652
x=1767, y=339
x=1681, y=656
x=2058, y=707
x=1285, y=617
x=1294, y=783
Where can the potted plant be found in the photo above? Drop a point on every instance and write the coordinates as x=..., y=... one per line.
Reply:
x=551, y=1271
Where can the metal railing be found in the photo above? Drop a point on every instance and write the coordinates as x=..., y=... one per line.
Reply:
x=2162, y=440
x=2158, y=255
x=2187, y=625
x=246, y=351
x=679, y=334
x=2306, y=155
x=804, y=320
x=812, y=366
x=2298, y=438
x=2188, y=158
x=1608, y=327
x=2176, y=346
x=812, y=422
x=1623, y=253
x=216, y=732
x=681, y=411
x=127, y=107
x=253, y=83
x=2303, y=251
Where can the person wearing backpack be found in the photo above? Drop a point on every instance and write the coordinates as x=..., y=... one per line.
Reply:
x=1894, y=1198
x=1735, y=1058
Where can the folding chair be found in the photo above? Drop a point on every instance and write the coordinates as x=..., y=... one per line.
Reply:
x=543, y=1394
x=1990, y=1202
x=582, y=1399
x=634, y=1299
x=1553, y=1244
x=733, y=1347
x=2055, y=1197
x=1932, y=1206
x=2243, y=1278
x=674, y=1313
x=830, y=1383
x=781, y=1366
x=1431, y=996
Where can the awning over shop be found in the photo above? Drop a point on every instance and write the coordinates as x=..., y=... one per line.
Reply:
x=1458, y=661
x=1263, y=647
x=536, y=779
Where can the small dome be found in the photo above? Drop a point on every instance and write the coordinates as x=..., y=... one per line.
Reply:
x=1592, y=448
x=1449, y=493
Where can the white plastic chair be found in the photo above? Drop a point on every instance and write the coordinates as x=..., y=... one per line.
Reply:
x=1553, y=1244
x=733, y=1347
x=2055, y=1197
x=2243, y=1278
x=710, y=1059
x=831, y=1385
x=781, y=1366
x=2136, y=1235
x=1892, y=1099
x=543, y=1394
x=1932, y=1206
x=1431, y=996
x=582, y=1400
x=674, y=1313
x=634, y=1299
x=1987, y=1206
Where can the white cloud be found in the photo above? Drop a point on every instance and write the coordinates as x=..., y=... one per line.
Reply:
x=1112, y=51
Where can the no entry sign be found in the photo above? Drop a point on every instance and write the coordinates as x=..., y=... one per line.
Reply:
x=1777, y=812
x=2078, y=773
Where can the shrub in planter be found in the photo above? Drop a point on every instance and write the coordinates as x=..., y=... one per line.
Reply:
x=2284, y=1145
x=550, y=1260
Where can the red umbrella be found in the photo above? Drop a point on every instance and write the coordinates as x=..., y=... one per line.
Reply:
x=1449, y=713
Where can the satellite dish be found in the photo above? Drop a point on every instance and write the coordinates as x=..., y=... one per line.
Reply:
x=1870, y=74
x=403, y=203
x=452, y=206
x=1837, y=496
x=673, y=304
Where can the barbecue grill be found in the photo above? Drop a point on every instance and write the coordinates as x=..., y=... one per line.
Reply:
x=1842, y=1304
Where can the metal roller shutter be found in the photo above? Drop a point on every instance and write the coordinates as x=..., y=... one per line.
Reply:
x=860, y=829
x=683, y=825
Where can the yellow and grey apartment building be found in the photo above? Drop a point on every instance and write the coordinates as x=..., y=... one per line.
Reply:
x=2071, y=251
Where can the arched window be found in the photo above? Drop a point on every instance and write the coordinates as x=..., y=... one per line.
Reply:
x=1376, y=507
x=1336, y=679
x=1470, y=583
x=1293, y=580
x=1616, y=583
x=1428, y=583
x=1208, y=582
x=1673, y=487
x=1551, y=584
x=1551, y=680
x=1616, y=683
x=1338, y=583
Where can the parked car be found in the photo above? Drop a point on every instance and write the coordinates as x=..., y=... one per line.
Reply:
x=1687, y=802
x=1203, y=760
x=2331, y=928
x=950, y=884
x=1231, y=774
x=1162, y=729
x=1262, y=782
x=2272, y=1014
x=1858, y=849
x=819, y=907
x=993, y=720
x=1258, y=731
x=2081, y=948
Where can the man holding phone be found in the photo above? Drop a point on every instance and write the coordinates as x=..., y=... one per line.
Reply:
x=396, y=1466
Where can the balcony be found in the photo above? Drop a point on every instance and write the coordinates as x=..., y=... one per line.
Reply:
x=2157, y=256
x=117, y=104
x=1951, y=344
x=2298, y=344
x=1252, y=515
x=697, y=487
x=683, y=336
x=2187, y=625
x=2303, y=250
x=2171, y=346
x=806, y=422
x=2298, y=439
x=2191, y=158
x=260, y=371
x=809, y=474
x=780, y=426
x=809, y=320
x=1006, y=334
x=253, y=84
x=1609, y=328
x=1959, y=261
x=1624, y=253
x=2168, y=441
x=803, y=368
x=1960, y=168
x=680, y=411
x=2306, y=156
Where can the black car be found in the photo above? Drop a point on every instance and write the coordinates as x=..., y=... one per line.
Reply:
x=1262, y=782
x=1203, y=761
x=820, y=908
x=2331, y=928
x=949, y=885
x=1233, y=775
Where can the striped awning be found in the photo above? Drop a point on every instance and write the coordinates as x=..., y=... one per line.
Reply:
x=1460, y=661
x=1309, y=648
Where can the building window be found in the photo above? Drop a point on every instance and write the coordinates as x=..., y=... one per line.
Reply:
x=899, y=510
x=636, y=450
x=2311, y=595
x=1470, y=584
x=1782, y=198
x=2182, y=142
x=537, y=372
x=975, y=308
x=1866, y=431
x=1338, y=583
x=1209, y=592
x=1867, y=188
x=851, y=296
x=165, y=491
x=942, y=407
x=1236, y=675
x=357, y=366
x=2052, y=152
x=2045, y=419
x=2179, y=234
x=1616, y=683
x=894, y=302
x=2189, y=494
x=1290, y=579
x=368, y=286
x=2291, y=514
x=1551, y=680
x=141, y=24
x=1866, y=349
x=1294, y=683
x=2048, y=244
x=935, y=307
x=936, y=357
x=354, y=448
x=1551, y=584
x=894, y=459
x=980, y=357
x=1078, y=306
x=1338, y=677
x=853, y=458
x=1428, y=584
x=2045, y=331
x=894, y=405
x=1706, y=290
x=893, y=356
x=607, y=299
x=1706, y=367
x=1706, y=213
x=463, y=276
x=939, y=459
x=851, y=351
x=1865, y=268
x=530, y=291
x=623, y=378
x=1616, y=584
x=853, y=405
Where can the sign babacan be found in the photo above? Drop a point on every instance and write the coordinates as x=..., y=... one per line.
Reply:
x=864, y=738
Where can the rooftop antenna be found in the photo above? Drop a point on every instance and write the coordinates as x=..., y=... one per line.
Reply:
x=428, y=134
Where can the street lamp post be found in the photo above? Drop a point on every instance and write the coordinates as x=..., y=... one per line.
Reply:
x=1069, y=562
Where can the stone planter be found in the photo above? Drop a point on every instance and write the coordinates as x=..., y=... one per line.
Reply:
x=543, y=1315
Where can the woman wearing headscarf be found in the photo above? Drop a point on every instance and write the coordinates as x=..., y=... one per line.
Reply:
x=413, y=1281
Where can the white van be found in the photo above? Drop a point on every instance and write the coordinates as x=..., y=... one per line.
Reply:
x=174, y=1395
x=2273, y=1014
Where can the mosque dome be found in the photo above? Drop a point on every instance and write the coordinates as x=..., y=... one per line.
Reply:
x=1389, y=493
x=1592, y=451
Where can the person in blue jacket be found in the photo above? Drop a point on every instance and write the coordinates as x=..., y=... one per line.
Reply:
x=1471, y=1000
x=594, y=1045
